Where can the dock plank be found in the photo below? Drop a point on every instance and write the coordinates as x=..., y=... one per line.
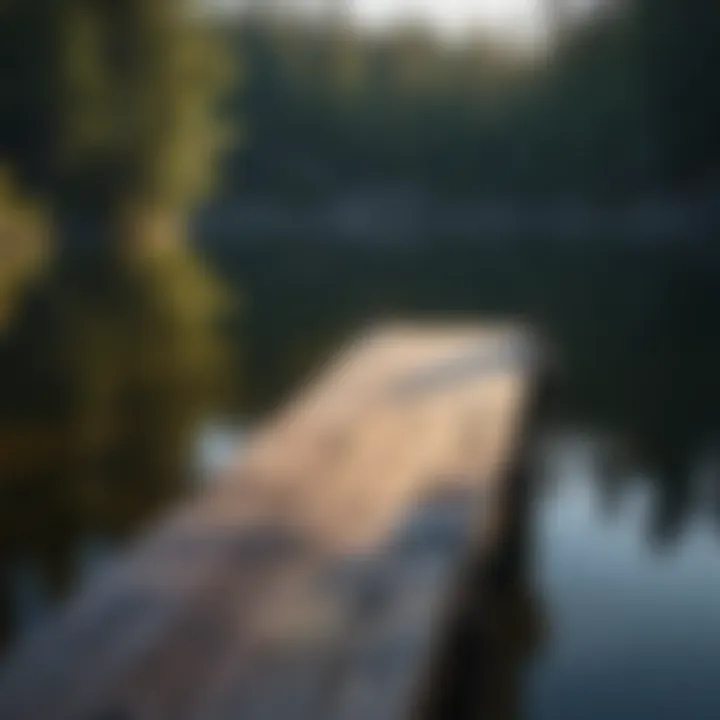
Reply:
x=314, y=578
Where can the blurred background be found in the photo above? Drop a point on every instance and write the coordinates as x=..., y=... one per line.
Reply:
x=200, y=200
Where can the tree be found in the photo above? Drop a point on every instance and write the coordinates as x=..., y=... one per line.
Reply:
x=109, y=109
x=680, y=55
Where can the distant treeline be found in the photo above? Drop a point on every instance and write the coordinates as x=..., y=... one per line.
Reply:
x=627, y=104
x=121, y=112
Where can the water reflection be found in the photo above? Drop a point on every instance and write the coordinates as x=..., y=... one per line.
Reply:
x=217, y=445
x=105, y=377
x=608, y=604
x=668, y=446
x=633, y=632
x=586, y=615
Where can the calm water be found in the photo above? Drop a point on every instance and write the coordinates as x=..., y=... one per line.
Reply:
x=630, y=628
x=118, y=395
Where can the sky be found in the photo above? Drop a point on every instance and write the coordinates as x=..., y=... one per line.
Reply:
x=512, y=20
x=509, y=18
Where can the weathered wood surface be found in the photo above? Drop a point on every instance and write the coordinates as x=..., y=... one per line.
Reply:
x=314, y=578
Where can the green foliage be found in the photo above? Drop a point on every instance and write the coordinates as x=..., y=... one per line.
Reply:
x=621, y=106
x=679, y=57
x=29, y=89
x=24, y=244
x=106, y=104
x=141, y=82
x=108, y=373
x=116, y=103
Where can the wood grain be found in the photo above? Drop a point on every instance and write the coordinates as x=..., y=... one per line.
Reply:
x=312, y=580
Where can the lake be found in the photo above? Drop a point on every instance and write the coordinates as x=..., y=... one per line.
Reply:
x=121, y=395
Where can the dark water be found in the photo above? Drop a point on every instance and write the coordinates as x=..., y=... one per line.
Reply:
x=117, y=394
x=631, y=626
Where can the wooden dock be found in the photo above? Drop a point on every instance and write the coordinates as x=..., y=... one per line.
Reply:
x=315, y=579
